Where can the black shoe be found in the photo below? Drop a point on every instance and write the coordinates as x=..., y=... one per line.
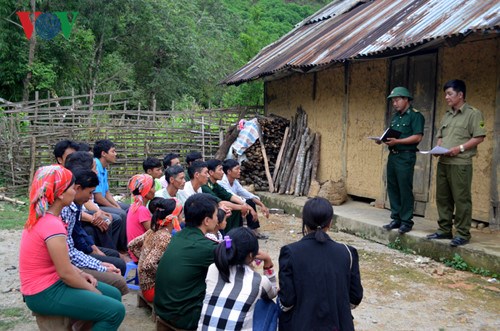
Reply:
x=404, y=229
x=261, y=235
x=439, y=236
x=457, y=241
x=392, y=225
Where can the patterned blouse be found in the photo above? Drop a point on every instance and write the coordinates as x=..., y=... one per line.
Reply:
x=150, y=247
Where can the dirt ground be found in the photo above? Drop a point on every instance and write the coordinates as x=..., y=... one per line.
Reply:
x=402, y=291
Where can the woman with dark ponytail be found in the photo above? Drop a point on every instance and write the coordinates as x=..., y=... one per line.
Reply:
x=319, y=278
x=233, y=287
x=151, y=245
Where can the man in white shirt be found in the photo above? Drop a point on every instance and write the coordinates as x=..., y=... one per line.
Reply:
x=232, y=172
x=170, y=160
x=198, y=172
x=176, y=182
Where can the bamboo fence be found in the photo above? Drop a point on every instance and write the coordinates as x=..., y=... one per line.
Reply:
x=29, y=131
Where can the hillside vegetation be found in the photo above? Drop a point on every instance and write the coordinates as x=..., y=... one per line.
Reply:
x=174, y=51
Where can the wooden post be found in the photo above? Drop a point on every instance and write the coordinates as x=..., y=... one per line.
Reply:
x=266, y=162
x=280, y=154
x=91, y=103
x=32, y=158
x=51, y=122
x=203, y=136
x=73, y=105
x=36, y=107
x=154, y=110
x=11, y=150
x=495, y=160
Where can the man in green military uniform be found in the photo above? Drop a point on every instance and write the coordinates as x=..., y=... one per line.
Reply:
x=402, y=158
x=460, y=131
x=180, y=278
x=224, y=198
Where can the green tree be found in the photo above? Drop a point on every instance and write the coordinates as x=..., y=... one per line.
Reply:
x=174, y=52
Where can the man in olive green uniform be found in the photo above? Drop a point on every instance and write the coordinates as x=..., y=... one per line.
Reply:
x=180, y=279
x=460, y=131
x=402, y=158
x=224, y=198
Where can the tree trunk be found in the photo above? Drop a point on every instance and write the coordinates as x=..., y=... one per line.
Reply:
x=94, y=70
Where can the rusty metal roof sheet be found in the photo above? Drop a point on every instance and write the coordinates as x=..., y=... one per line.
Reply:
x=350, y=29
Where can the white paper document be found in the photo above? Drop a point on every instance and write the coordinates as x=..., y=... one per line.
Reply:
x=436, y=150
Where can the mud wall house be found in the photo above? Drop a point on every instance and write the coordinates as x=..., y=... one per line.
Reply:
x=341, y=63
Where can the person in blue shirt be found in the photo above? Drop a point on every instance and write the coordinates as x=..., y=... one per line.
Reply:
x=105, y=155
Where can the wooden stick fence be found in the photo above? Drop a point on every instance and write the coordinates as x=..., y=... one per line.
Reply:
x=29, y=131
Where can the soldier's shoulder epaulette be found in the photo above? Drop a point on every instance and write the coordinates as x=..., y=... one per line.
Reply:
x=472, y=108
x=416, y=110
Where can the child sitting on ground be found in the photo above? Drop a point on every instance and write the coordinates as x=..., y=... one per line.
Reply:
x=216, y=235
x=151, y=245
x=242, y=286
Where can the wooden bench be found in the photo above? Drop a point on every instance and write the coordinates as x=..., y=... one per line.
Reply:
x=161, y=325
x=141, y=302
x=60, y=323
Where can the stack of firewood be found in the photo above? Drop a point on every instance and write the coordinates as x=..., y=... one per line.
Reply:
x=284, y=160
x=298, y=159
x=262, y=155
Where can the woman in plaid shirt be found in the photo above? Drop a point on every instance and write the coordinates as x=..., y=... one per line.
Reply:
x=233, y=287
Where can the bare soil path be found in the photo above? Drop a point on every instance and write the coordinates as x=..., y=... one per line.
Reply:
x=402, y=291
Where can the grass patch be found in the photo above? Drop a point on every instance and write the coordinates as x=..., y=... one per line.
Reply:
x=10, y=317
x=398, y=245
x=12, y=217
x=11, y=312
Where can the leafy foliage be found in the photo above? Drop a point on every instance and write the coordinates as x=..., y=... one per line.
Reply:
x=167, y=50
x=398, y=245
x=458, y=263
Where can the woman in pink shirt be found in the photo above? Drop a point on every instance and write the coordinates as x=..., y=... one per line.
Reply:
x=138, y=216
x=50, y=284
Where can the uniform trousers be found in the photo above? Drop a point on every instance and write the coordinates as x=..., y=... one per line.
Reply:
x=400, y=168
x=453, y=194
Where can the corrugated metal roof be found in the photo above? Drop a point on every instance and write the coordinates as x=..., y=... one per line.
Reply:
x=348, y=29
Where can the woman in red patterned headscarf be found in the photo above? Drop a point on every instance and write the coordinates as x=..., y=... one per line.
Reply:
x=50, y=284
x=138, y=216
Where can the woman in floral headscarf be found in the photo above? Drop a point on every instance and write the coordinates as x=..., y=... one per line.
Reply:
x=50, y=284
x=138, y=216
x=152, y=244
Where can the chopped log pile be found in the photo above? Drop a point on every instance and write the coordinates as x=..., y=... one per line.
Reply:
x=253, y=170
x=291, y=155
x=299, y=159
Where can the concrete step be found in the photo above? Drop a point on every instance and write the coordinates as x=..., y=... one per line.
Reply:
x=366, y=221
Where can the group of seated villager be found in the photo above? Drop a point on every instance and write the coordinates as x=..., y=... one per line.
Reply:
x=183, y=227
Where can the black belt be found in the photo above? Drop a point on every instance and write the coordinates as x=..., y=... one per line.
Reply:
x=392, y=151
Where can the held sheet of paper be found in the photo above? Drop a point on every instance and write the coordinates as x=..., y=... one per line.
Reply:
x=436, y=150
